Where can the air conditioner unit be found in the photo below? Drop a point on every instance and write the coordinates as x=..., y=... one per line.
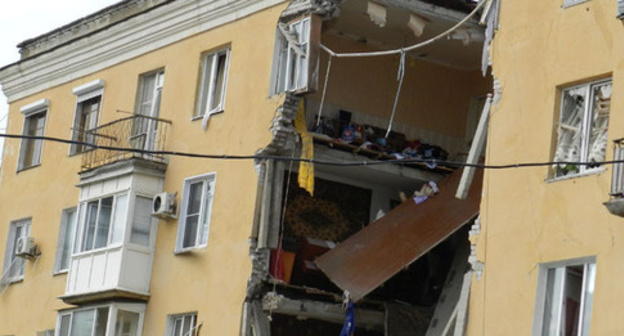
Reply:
x=163, y=205
x=25, y=247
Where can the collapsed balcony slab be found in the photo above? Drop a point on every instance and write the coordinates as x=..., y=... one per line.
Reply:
x=367, y=259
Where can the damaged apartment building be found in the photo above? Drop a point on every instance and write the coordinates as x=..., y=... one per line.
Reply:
x=253, y=167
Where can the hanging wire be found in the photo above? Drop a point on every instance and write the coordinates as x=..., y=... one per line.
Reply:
x=413, y=47
x=334, y=163
x=320, y=112
x=400, y=76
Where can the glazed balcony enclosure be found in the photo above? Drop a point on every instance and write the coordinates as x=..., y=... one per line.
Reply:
x=115, y=232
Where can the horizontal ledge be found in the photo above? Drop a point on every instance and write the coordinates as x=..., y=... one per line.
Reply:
x=104, y=295
x=328, y=312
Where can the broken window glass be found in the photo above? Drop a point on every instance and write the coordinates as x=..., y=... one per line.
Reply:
x=292, y=56
x=582, y=128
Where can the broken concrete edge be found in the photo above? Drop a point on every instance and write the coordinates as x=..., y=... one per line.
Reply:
x=283, y=140
x=326, y=9
x=323, y=311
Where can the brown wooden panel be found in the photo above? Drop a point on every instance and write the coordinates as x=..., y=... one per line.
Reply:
x=379, y=251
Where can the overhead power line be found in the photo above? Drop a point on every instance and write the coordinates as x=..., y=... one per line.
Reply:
x=314, y=161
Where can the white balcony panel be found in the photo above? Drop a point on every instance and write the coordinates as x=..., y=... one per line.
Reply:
x=147, y=184
x=114, y=268
x=137, y=270
x=105, y=187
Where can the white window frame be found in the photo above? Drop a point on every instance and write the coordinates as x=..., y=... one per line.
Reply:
x=559, y=284
x=31, y=112
x=173, y=319
x=66, y=239
x=113, y=312
x=83, y=94
x=82, y=225
x=144, y=129
x=206, y=96
x=586, y=128
x=202, y=233
x=291, y=56
x=154, y=102
x=9, y=256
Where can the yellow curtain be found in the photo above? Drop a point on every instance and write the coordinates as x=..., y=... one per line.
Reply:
x=306, y=169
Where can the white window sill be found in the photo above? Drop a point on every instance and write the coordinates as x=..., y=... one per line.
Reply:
x=567, y=4
x=22, y=169
x=15, y=280
x=60, y=272
x=594, y=171
x=190, y=250
x=200, y=117
x=115, y=246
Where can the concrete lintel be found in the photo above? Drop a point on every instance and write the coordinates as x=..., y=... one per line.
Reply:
x=328, y=312
x=327, y=154
x=122, y=167
x=417, y=6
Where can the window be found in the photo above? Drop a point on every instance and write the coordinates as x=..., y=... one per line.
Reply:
x=292, y=56
x=582, y=127
x=65, y=240
x=127, y=323
x=88, y=104
x=194, y=224
x=182, y=325
x=565, y=298
x=150, y=89
x=213, y=83
x=102, y=222
x=13, y=265
x=148, y=107
x=142, y=221
x=34, y=124
x=95, y=321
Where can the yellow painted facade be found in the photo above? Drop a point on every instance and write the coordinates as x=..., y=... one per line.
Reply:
x=528, y=218
x=217, y=274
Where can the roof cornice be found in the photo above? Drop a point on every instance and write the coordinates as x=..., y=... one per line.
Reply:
x=138, y=35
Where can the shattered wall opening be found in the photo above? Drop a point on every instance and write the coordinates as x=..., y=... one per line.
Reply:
x=355, y=110
x=403, y=305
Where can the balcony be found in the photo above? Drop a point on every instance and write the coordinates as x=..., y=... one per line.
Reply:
x=115, y=233
x=143, y=134
x=120, y=271
x=616, y=204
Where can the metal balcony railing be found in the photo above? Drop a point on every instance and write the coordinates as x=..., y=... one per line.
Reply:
x=138, y=132
x=617, y=180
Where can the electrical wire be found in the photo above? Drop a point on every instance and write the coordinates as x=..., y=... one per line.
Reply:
x=364, y=163
x=400, y=76
x=412, y=47
x=320, y=112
